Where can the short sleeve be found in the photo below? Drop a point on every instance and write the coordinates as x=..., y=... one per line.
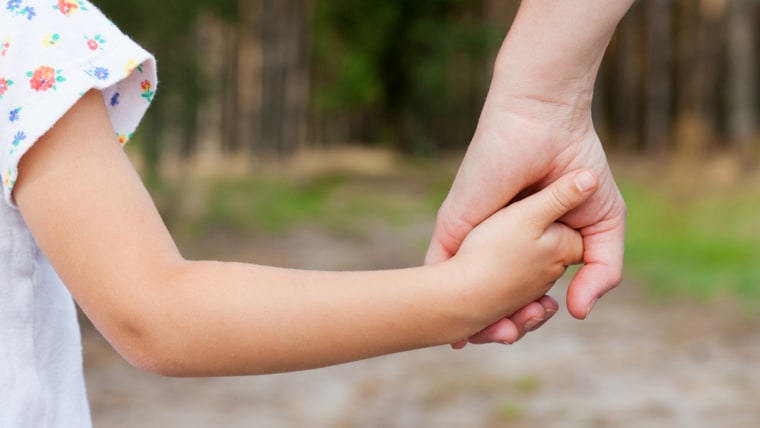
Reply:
x=53, y=52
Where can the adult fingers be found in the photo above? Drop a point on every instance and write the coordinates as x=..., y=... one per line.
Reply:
x=529, y=318
x=454, y=221
x=509, y=330
x=437, y=252
x=502, y=331
x=525, y=319
x=459, y=345
x=481, y=188
x=603, y=265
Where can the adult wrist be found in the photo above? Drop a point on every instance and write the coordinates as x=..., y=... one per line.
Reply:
x=544, y=80
x=554, y=48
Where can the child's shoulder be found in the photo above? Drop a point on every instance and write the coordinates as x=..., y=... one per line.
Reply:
x=53, y=52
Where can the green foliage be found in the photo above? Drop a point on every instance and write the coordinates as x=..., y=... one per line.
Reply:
x=413, y=74
x=405, y=65
x=704, y=248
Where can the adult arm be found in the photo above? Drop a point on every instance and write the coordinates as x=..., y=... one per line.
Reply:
x=94, y=220
x=535, y=126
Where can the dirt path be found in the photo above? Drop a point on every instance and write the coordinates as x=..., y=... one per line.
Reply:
x=634, y=363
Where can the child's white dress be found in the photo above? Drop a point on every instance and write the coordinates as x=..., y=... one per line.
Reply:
x=51, y=53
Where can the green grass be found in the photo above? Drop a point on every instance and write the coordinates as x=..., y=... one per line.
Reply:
x=510, y=411
x=528, y=384
x=338, y=203
x=266, y=204
x=702, y=248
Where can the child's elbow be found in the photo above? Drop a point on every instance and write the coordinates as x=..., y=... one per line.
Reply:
x=159, y=364
x=149, y=334
x=149, y=342
x=150, y=355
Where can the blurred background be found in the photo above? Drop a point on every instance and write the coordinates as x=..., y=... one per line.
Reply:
x=325, y=134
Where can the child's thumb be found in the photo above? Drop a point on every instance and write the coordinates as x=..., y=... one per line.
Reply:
x=562, y=196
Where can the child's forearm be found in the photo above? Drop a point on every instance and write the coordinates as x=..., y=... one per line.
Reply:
x=213, y=318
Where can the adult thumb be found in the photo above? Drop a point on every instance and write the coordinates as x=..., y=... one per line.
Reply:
x=561, y=197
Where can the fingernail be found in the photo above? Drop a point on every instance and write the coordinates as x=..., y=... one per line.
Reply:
x=591, y=306
x=585, y=181
x=532, y=323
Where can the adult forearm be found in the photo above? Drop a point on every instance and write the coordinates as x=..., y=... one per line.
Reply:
x=554, y=48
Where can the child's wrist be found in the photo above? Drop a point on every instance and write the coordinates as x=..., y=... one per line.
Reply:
x=470, y=298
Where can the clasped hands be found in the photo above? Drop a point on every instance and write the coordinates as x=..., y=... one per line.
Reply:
x=519, y=147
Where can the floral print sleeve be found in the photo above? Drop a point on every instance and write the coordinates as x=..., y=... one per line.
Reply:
x=51, y=53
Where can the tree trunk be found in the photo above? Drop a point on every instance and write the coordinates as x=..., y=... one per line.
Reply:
x=689, y=117
x=657, y=116
x=742, y=75
x=297, y=93
x=627, y=81
x=249, y=69
x=711, y=44
x=230, y=141
x=285, y=39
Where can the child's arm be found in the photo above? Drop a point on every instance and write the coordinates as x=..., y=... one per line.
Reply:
x=91, y=215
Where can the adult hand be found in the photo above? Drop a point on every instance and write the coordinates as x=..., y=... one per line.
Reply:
x=510, y=154
x=535, y=126
x=513, y=152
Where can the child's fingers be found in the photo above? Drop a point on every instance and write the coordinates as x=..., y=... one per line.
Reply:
x=560, y=197
x=567, y=239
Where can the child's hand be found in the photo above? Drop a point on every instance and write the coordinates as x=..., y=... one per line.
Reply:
x=516, y=255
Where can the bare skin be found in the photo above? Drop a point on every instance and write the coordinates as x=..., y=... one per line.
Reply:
x=536, y=126
x=91, y=215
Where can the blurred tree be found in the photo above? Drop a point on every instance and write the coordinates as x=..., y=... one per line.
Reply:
x=657, y=108
x=689, y=127
x=265, y=76
x=627, y=80
x=167, y=28
x=742, y=75
x=711, y=53
x=286, y=40
x=401, y=73
x=241, y=88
